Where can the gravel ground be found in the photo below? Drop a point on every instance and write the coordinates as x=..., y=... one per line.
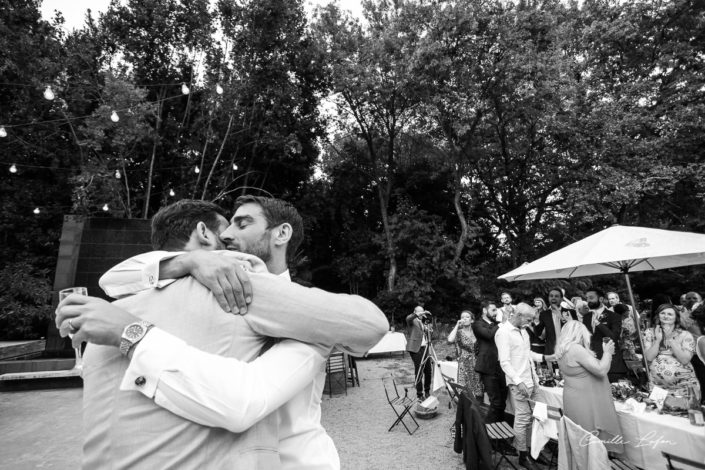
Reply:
x=358, y=423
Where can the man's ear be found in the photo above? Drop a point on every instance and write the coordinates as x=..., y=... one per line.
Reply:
x=203, y=234
x=282, y=234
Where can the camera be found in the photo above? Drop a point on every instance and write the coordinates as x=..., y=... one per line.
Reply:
x=426, y=318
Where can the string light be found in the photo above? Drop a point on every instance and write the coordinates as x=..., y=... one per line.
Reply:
x=196, y=170
x=118, y=175
x=234, y=167
x=105, y=208
x=36, y=211
x=13, y=168
x=48, y=93
x=184, y=89
x=219, y=89
x=114, y=117
x=172, y=193
x=3, y=132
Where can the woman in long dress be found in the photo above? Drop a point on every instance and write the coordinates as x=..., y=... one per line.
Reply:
x=587, y=395
x=669, y=349
x=465, y=340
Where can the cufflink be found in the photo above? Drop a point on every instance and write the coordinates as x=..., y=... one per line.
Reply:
x=139, y=381
x=151, y=278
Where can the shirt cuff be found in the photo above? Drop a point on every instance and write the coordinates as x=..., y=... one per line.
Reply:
x=150, y=272
x=156, y=353
x=517, y=380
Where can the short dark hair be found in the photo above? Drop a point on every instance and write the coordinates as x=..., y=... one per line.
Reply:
x=277, y=212
x=557, y=289
x=173, y=225
x=505, y=292
x=596, y=290
x=621, y=309
x=486, y=304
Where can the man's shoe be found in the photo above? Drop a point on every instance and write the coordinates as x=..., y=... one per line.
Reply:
x=527, y=462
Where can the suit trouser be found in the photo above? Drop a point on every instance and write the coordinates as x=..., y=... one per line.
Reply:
x=522, y=416
x=423, y=381
x=496, y=389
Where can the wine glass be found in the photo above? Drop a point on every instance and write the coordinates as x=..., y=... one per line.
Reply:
x=62, y=295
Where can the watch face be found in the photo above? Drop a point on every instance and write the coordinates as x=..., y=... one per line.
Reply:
x=134, y=331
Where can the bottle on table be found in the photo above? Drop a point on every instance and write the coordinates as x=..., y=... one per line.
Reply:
x=695, y=413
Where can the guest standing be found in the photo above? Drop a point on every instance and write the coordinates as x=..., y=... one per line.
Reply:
x=517, y=362
x=551, y=320
x=587, y=395
x=418, y=347
x=669, y=349
x=698, y=360
x=603, y=323
x=464, y=339
x=487, y=364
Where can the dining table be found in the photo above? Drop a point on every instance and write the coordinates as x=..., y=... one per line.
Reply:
x=645, y=435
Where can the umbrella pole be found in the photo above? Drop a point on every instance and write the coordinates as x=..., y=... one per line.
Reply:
x=637, y=325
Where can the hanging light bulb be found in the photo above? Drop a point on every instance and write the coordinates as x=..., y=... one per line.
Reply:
x=219, y=89
x=234, y=167
x=196, y=170
x=118, y=175
x=48, y=93
x=114, y=117
x=105, y=208
x=13, y=168
x=3, y=132
x=184, y=89
x=36, y=210
x=172, y=193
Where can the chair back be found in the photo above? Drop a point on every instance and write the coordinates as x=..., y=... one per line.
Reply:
x=554, y=412
x=670, y=458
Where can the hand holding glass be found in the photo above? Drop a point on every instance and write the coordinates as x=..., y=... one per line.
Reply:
x=62, y=295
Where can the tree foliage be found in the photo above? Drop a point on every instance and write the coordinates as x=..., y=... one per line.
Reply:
x=430, y=145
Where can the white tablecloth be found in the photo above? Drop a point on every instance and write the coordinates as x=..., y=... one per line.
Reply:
x=449, y=369
x=647, y=434
x=391, y=342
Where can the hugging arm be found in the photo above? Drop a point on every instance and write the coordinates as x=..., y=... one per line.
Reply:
x=282, y=309
x=218, y=391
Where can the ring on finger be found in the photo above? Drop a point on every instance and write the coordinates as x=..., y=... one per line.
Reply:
x=73, y=329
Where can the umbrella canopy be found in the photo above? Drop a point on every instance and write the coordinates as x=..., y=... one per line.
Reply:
x=618, y=249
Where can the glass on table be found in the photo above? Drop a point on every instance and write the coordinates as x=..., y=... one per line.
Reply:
x=62, y=295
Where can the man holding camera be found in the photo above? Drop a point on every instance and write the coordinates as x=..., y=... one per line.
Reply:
x=417, y=345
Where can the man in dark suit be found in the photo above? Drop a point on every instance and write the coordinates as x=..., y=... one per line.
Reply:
x=417, y=346
x=551, y=320
x=487, y=364
x=604, y=323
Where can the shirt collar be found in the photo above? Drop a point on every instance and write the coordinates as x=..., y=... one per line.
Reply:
x=285, y=275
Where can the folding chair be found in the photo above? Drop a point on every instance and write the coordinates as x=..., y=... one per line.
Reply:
x=555, y=414
x=353, y=377
x=401, y=406
x=670, y=458
x=498, y=433
x=335, y=368
x=454, y=390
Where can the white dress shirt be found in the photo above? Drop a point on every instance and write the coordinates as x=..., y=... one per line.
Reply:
x=515, y=355
x=192, y=384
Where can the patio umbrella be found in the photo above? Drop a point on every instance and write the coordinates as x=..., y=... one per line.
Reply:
x=618, y=249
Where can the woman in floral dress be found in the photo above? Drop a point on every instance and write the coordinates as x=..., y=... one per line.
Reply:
x=465, y=341
x=669, y=349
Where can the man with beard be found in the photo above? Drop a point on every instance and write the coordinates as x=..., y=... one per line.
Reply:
x=487, y=363
x=604, y=323
x=220, y=392
x=507, y=309
x=552, y=319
